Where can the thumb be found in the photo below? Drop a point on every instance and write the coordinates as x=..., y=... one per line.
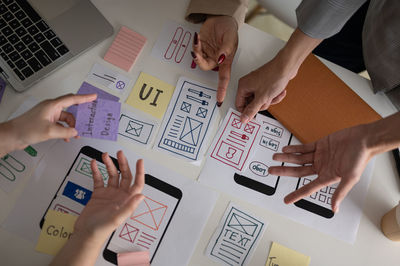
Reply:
x=58, y=131
x=341, y=192
x=251, y=110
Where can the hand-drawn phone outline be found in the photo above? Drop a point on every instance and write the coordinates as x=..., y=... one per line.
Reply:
x=313, y=207
x=164, y=187
x=256, y=185
x=88, y=151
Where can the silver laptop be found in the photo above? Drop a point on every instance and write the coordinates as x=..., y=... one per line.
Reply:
x=38, y=36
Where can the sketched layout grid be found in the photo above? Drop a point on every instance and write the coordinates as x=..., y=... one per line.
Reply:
x=227, y=219
x=137, y=122
x=196, y=154
x=83, y=167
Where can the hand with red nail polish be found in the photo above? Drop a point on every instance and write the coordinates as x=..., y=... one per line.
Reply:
x=215, y=46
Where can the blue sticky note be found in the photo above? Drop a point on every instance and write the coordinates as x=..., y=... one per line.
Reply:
x=77, y=193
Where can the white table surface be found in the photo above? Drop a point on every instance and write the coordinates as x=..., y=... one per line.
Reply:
x=256, y=47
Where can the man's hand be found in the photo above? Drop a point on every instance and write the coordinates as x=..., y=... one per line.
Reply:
x=339, y=157
x=215, y=46
x=261, y=88
x=42, y=121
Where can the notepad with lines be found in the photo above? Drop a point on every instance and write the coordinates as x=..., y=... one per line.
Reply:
x=125, y=48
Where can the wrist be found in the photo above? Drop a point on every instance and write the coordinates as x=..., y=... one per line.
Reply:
x=86, y=240
x=379, y=137
x=226, y=17
x=11, y=138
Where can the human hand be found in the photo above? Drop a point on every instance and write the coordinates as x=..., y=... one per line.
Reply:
x=215, y=47
x=261, y=88
x=109, y=206
x=339, y=157
x=42, y=121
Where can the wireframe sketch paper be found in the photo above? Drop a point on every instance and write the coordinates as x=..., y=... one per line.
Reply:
x=190, y=114
x=284, y=256
x=236, y=237
x=150, y=95
x=234, y=143
x=87, y=88
x=169, y=245
x=98, y=119
x=255, y=185
x=174, y=45
x=109, y=78
x=136, y=127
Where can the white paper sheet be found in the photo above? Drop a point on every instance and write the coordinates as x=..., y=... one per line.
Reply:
x=236, y=238
x=18, y=165
x=189, y=219
x=269, y=191
x=136, y=127
x=174, y=45
x=184, y=132
x=109, y=78
x=235, y=142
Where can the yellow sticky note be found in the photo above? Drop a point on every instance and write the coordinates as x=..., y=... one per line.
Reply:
x=151, y=95
x=283, y=256
x=56, y=231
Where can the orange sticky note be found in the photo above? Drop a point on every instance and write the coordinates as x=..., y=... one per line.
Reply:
x=137, y=258
x=125, y=48
x=319, y=103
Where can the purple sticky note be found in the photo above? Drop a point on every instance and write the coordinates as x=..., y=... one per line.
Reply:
x=2, y=88
x=87, y=88
x=98, y=119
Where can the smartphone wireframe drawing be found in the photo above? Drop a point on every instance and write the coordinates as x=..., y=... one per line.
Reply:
x=77, y=186
x=146, y=227
x=256, y=176
x=319, y=202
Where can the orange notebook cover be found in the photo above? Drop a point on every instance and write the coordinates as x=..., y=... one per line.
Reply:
x=318, y=103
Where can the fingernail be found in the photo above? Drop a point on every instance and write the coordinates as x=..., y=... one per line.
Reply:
x=193, y=54
x=196, y=39
x=221, y=59
x=219, y=104
x=193, y=65
x=216, y=68
x=245, y=119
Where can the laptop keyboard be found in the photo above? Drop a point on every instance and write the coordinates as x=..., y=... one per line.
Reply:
x=27, y=43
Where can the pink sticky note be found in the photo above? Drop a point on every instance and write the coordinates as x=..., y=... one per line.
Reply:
x=125, y=48
x=138, y=258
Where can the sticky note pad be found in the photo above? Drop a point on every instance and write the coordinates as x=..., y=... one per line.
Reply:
x=151, y=95
x=138, y=258
x=2, y=88
x=283, y=256
x=125, y=48
x=87, y=88
x=98, y=119
x=56, y=231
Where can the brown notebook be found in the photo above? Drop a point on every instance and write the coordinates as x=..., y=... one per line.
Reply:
x=318, y=103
